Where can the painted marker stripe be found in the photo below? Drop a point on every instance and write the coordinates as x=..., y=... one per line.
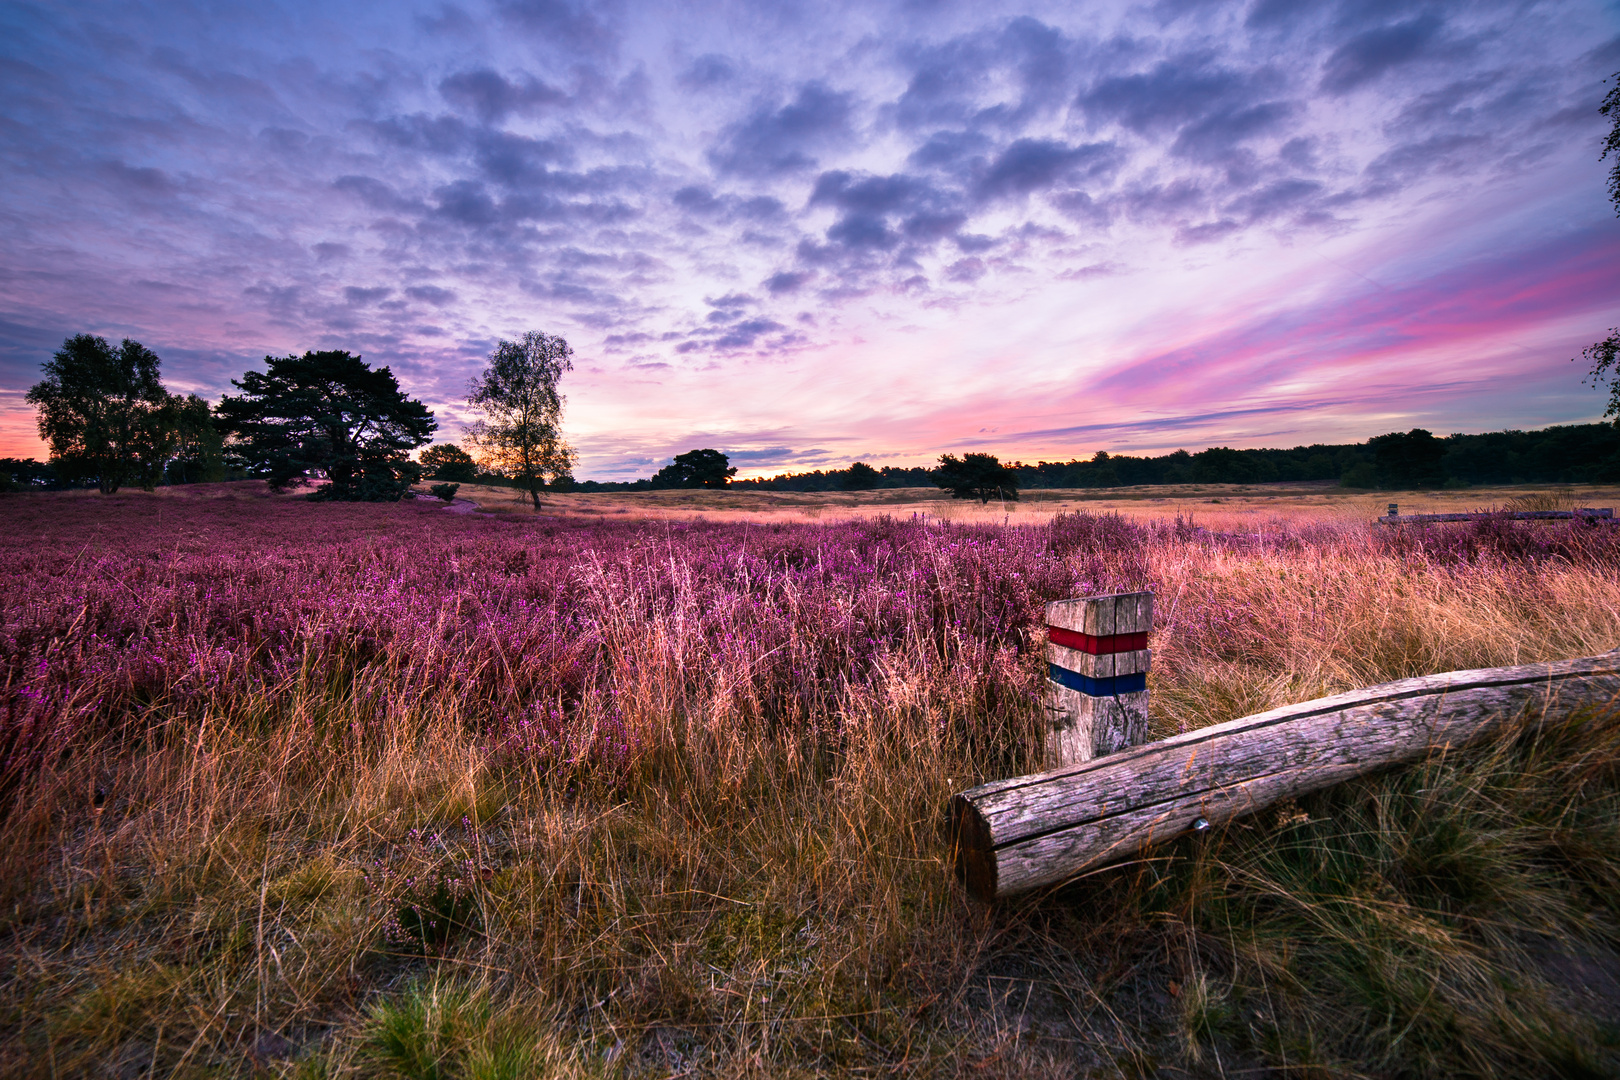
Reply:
x=1096, y=646
x=1119, y=684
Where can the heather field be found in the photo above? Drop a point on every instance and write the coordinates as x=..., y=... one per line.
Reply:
x=321, y=790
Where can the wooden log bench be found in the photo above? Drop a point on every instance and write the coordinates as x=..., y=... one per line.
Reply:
x=1013, y=835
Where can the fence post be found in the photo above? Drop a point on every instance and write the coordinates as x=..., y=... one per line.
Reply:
x=1097, y=664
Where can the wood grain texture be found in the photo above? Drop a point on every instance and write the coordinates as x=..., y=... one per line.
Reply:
x=1099, y=666
x=1082, y=726
x=1103, y=616
x=1086, y=727
x=1029, y=831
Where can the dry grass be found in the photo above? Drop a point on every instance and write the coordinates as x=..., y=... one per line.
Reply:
x=338, y=859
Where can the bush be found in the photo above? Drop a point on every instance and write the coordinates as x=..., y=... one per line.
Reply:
x=447, y=492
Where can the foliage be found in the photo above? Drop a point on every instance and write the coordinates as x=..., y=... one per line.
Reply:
x=105, y=414
x=695, y=469
x=26, y=474
x=447, y=492
x=1571, y=453
x=426, y=888
x=520, y=435
x=1611, y=143
x=199, y=448
x=976, y=476
x=328, y=412
x=1603, y=357
x=1363, y=474
x=447, y=461
x=1412, y=460
x=861, y=477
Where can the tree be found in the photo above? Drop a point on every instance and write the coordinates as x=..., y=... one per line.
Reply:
x=976, y=476
x=1409, y=460
x=694, y=469
x=199, y=448
x=447, y=461
x=104, y=413
x=1602, y=356
x=520, y=435
x=328, y=412
x=861, y=477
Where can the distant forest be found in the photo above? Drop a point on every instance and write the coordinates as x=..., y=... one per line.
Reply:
x=1581, y=453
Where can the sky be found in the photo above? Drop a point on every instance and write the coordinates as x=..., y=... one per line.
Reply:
x=808, y=234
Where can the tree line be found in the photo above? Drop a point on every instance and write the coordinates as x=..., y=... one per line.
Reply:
x=1579, y=453
x=326, y=419
x=329, y=419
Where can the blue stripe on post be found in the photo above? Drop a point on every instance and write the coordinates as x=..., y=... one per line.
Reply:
x=1119, y=684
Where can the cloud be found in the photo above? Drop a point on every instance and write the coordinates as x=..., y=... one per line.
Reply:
x=490, y=97
x=137, y=180
x=1275, y=199
x=786, y=282
x=1214, y=136
x=564, y=26
x=432, y=294
x=1036, y=164
x=1024, y=66
x=1174, y=92
x=945, y=148
x=1371, y=53
x=780, y=140
x=360, y=297
x=699, y=200
x=707, y=71
x=467, y=202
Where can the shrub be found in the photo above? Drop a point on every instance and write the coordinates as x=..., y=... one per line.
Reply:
x=447, y=492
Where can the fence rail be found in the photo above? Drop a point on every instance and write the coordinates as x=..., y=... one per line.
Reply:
x=1590, y=514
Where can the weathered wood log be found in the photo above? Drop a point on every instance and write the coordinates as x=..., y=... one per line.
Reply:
x=1020, y=834
x=1589, y=514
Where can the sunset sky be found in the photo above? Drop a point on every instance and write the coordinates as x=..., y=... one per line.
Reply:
x=806, y=234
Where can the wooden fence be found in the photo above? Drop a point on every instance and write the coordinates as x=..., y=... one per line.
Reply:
x=1592, y=515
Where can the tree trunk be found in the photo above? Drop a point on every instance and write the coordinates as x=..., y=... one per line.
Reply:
x=1020, y=834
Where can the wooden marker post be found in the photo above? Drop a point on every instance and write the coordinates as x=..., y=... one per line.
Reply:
x=1097, y=663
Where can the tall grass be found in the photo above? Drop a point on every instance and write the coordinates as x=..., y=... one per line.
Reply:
x=329, y=790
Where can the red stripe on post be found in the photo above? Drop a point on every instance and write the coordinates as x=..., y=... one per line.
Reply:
x=1096, y=646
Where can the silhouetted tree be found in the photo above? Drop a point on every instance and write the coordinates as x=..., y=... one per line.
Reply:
x=1409, y=460
x=861, y=477
x=26, y=474
x=520, y=435
x=199, y=448
x=694, y=469
x=1603, y=355
x=328, y=412
x=447, y=461
x=104, y=413
x=976, y=476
